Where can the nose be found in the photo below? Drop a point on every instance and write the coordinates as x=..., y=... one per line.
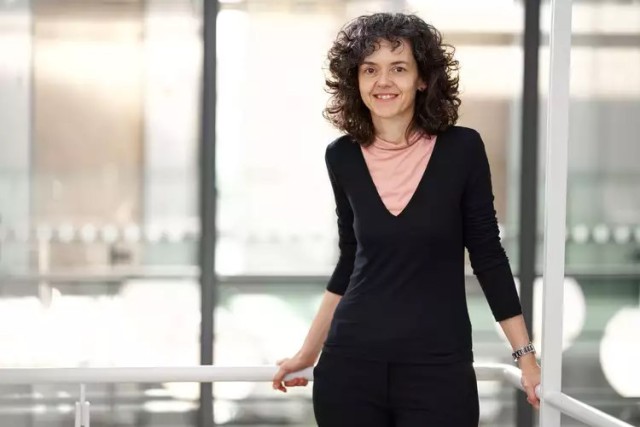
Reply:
x=384, y=79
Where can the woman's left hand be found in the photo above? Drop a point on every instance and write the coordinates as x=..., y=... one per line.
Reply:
x=530, y=378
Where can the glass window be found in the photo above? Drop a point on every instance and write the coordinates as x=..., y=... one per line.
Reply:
x=276, y=207
x=99, y=124
x=601, y=310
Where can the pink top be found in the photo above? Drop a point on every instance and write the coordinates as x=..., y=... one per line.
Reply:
x=397, y=170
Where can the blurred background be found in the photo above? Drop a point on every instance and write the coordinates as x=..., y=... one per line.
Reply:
x=101, y=124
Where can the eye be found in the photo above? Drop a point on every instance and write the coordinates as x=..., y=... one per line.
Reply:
x=399, y=69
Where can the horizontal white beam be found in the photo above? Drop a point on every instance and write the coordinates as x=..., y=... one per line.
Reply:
x=581, y=411
x=139, y=375
x=484, y=372
x=499, y=372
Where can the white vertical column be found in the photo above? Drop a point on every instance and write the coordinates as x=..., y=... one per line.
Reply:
x=555, y=206
x=173, y=56
x=15, y=129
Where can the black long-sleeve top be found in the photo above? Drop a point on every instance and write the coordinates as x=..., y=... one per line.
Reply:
x=402, y=277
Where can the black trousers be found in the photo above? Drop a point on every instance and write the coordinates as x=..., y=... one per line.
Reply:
x=361, y=393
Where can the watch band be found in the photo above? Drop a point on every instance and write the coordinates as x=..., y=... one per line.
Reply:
x=529, y=348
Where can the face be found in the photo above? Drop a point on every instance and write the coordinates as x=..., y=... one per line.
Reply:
x=388, y=81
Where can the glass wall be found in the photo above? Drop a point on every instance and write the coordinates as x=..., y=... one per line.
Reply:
x=99, y=227
x=276, y=220
x=602, y=292
x=99, y=120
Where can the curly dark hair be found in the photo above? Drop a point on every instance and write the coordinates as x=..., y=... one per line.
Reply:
x=436, y=108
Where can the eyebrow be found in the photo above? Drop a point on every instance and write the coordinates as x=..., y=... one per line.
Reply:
x=393, y=63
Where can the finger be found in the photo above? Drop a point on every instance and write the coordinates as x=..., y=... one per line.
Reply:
x=281, y=361
x=277, y=378
x=533, y=399
x=534, y=403
x=295, y=382
x=278, y=385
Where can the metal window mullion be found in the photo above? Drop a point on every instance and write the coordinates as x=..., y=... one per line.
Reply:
x=528, y=208
x=207, y=201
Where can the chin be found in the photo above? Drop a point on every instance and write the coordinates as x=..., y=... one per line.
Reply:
x=386, y=114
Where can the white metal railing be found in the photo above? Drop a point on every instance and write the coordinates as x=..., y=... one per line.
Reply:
x=484, y=372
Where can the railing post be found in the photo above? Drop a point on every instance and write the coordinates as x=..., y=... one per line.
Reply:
x=555, y=207
x=83, y=407
x=78, y=422
x=44, y=266
x=86, y=414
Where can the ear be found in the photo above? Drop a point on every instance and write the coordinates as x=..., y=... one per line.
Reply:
x=421, y=85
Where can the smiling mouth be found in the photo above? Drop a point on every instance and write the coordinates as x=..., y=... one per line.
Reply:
x=385, y=96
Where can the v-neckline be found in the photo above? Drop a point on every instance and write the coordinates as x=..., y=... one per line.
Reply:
x=372, y=184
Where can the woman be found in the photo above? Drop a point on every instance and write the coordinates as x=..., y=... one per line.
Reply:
x=412, y=190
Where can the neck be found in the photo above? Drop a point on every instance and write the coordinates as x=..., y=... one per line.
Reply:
x=393, y=130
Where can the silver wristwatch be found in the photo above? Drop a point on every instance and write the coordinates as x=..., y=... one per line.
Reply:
x=529, y=348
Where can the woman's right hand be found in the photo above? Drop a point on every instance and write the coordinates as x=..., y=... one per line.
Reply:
x=294, y=364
